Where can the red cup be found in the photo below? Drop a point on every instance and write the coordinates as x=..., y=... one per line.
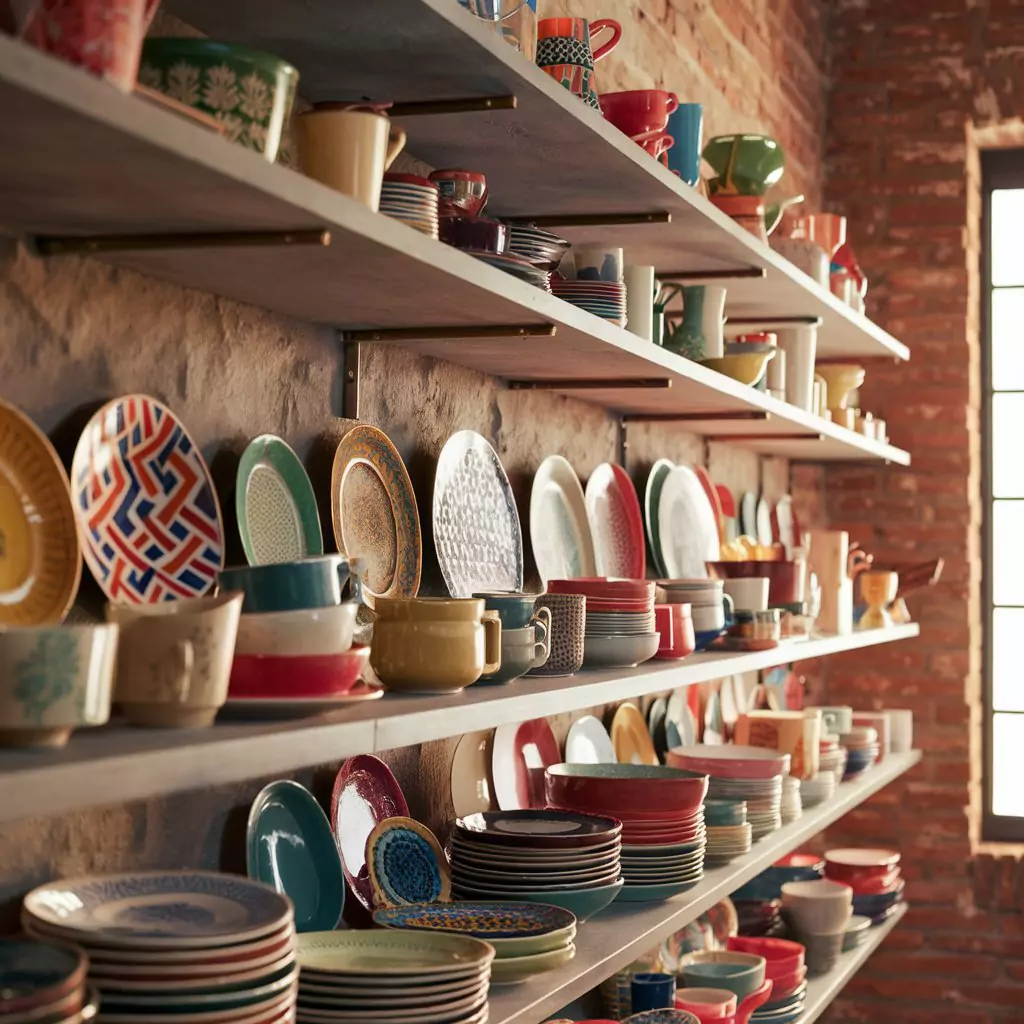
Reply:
x=680, y=641
x=639, y=111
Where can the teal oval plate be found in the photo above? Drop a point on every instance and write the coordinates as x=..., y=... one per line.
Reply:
x=652, y=501
x=278, y=519
x=290, y=846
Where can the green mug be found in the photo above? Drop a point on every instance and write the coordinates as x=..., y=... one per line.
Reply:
x=290, y=586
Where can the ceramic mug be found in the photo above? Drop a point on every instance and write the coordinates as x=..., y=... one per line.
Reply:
x=52, y=680
x=102, y=36
x=565, y=52
x=521, y=650
x=748, y=595
x=639, y=280
x=348, y=148
x=686, y=126
x=653, y=991
x=565, y=640
x=174, y=659
x=318, y=582
x=514, y=609
x=674, y=623
x=710, y=621
x=434, y=644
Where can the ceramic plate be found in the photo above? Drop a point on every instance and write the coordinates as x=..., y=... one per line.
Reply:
x=471, y=786
x=365, y=793
x=785, y=531
x=519, y=968
x=656, y=715
x=689, y=534
x=727, y=503
x=290, y=847
x=713, y=500
x=652, y=501
x=563, y=547
x=373, y=508
x=763, y=522
x=520, y=755
x=477, y=534
x=40, y=556
x=588, y=742
x=680, y=723
x=388, y=952
x=237, y=998
x=159, y=909
x=616, y=524
x=406, y=863
x=277, y=515
x=632, y=741
x=298, y=707
x=544, y=829
x=146, y=508
x=748, y=514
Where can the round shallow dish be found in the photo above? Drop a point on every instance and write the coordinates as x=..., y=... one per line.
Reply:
x=616, y=524
x=519, y=968
x=619, y=651
x=388, y=952
x=731, y=762
x=742, y=973
x=35, y=974
x=406, y=864
x=563, y=546
x=588, y=742
x=539, y=828
x=520, y=752
x=584, y=903
x=633, y=743
x=623, y=787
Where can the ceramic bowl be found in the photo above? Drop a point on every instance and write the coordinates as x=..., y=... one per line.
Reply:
x=707, y=1003
x=480, y=234
x=747, y=369
x=741, y=973
x=725, y=813
x=818, y=907
x=584, y=903
x=840, y=379
x=782, y=956
x=306, y=631
x=731, y=762
x=854, y=865
x=621, y=651
x=747, y=211
x=625, y=787
x=297, y=677
x=38, y=974
x=461, y=193
x=317, y=582
x=638, y=111
x=785, y=579
x=673, y=1016
x=746, y=164
x=53, y=680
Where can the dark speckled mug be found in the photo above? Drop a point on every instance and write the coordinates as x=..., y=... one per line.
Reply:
x=565, y=640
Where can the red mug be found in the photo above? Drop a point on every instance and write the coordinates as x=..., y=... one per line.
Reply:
x=639, y=110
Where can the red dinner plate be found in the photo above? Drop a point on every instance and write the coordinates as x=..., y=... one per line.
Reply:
x=519, y=756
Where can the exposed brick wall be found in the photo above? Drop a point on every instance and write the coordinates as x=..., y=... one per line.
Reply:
x=912, y=80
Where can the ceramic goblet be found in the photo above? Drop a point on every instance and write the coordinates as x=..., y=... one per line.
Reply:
x=879, y=591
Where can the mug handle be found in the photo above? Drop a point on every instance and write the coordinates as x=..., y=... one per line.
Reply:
x=605, y=48
x=542, y=624
x=492, y=642
x=396, y=143
x=184, y=661
x=674, y=103
x=349, y=574
x=730, y=611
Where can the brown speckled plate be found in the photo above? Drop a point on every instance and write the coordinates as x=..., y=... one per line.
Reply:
x=373, y=509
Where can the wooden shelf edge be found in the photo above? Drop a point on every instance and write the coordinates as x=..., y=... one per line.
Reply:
x=625, y=931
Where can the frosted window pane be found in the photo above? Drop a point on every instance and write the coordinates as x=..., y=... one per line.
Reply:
x=1008, y=340
x=1008, y=765
x=1008, y=446
x=1007, y=664
x=1007, y=228
x=1008, y=544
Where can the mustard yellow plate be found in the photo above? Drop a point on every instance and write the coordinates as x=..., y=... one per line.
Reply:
x=40, y=555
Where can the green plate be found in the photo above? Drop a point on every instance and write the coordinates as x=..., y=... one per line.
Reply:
x=277, y=515
x=652, y=499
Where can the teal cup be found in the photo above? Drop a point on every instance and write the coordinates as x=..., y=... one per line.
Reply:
x=290, y=586
x=516, y=611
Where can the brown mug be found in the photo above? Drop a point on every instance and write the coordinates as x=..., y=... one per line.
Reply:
x=566, y=636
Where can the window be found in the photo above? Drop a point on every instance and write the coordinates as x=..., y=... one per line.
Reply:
x=1002, y=302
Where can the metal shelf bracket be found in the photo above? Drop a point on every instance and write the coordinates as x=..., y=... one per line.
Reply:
x=583, y=384
x=472, y=105
x=73, y=245
x=455, y=333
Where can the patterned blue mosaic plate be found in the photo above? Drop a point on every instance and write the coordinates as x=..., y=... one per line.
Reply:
x=488, y=920
x=406, y=864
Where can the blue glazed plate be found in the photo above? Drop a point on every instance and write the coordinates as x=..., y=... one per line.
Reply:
x=157, y=909
x=290, y=846
x=406, y=864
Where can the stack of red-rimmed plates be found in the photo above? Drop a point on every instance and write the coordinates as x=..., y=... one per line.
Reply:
x=44, y=981
x=874, y=875
x=412, y=200
x=606, y=299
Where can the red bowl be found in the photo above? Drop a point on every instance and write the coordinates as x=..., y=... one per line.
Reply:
x=785, y=579
x=629, y=788
x=782, y=956
x=852, y=864
x=607, y=589
x=878, y=885
x=730, y=762
x=783, y=985
x=284, y=676
x=801, y=860
x=639, y=111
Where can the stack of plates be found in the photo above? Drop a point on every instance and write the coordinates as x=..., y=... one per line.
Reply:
x=528, y=938
x=557, y=857
x=782, y=1009
x=181, y=945
x=727, y=842
x=393, y=977
x=862, y=750
x=786, y=968
x=759, y=917
x=516, y=266
x=857, y=932
x=541, y=248
x=819, y=789
x=752, y=774
x=832, y=757
x=662, y=815
x=875, y=877
x=412, y=200
x=606, y=299
x=45, y=982
x=792, y=806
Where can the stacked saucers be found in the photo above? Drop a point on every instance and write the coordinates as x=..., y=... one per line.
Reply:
x=819, y=789
x=787, y=971
x=528, y=938
x=44, y=981
x=606, y=299
x=857, y=932
x=729, y=832
x=862, y=750
x=558, y=857
x=393, y=977
x=619, y=630
x=192, y=944
x=792, y=805
x=752, y=774
x=832, y=756
x=515, y=265
x=662, y=815
x=874, y=876
x=412, y=200
x=541, y=248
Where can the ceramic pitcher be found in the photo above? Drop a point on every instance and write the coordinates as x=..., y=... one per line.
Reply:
x=699, y=335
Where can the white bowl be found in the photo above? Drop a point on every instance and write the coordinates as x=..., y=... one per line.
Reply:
x=303, y=631
x=821, y=907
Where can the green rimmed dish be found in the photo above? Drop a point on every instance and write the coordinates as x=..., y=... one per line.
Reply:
x=278, y=519
x=652, y=502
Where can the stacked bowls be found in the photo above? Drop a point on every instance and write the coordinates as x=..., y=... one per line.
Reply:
x=729, y=833
x=742, y=974
x=662, y=815
x=41, y=980
x=818, y=789
x=785, y=969
x=412, y=200
x=528, y=938
x=393, y=977
x=832, y=757
x=857, y=932
x=176, y=944
x=758, y=902
x=707, y=601
x=862, y=751
x=541, y=248
x=817, y=914
x=751, y=774
x=619, y=629
x=606, y=299
x=792, y=805
x=563, y=858
x=874, y=876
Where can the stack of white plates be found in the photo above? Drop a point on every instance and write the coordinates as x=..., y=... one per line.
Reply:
x=819, y=789
x=541, y=248
x=393, y=977
x=412, y=200
x=792, y=806
x=606, y=299
x=832, y=756
x=176, y=945
x=727, y=842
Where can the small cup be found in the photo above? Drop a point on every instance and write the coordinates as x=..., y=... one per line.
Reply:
x=748, y=595
x=521, y=650
x=901, y=730
x=654, y=991
x=566, y=639
x=639, y=281
x=288, y=586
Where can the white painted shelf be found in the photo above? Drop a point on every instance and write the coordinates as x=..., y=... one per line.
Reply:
x=118, y=763
x=95, y=161
x=552, y=156
x=625, y=931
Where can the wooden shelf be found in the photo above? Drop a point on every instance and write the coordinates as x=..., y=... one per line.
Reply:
x=93, y=161
x=551, y=156
x=117, y=764
x=625, y=931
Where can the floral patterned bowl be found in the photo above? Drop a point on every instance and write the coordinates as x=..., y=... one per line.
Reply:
x=250, y=93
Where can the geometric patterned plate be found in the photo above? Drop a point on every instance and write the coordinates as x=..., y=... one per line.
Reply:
x=477, y=533
x=275, y=505
x=40, y=555
x=147, y=513
x=616, y=523
x=374, y=512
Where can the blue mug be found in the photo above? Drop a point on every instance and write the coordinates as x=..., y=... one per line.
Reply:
x=652, y=992
x=289, y=586
x=686, y=126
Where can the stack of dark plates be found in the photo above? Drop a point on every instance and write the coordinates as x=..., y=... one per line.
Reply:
x=541, y=248
x=516, y=266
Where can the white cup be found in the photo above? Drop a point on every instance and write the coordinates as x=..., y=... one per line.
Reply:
x=707, y=617
x=901, y=730
x=749, y=595
x=640, y=300
x=800, y=345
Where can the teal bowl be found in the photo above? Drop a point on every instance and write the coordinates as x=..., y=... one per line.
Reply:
x=746, y=165
x=583, y=903
x=724, y=813
x=742, y=973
